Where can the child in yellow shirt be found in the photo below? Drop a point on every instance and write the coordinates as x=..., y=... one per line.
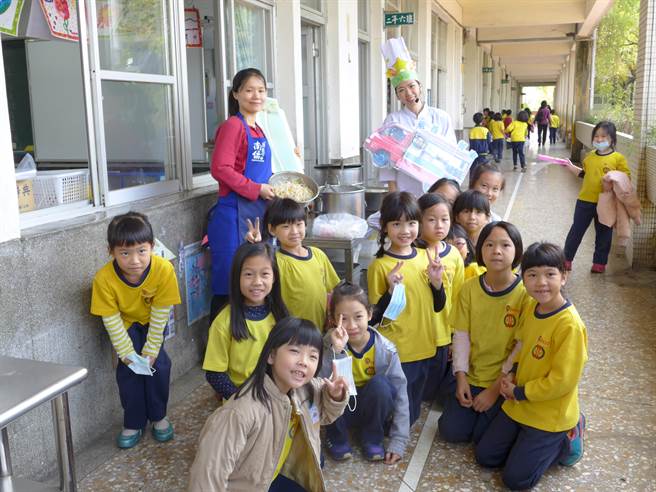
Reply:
x=595, y=165
x=540, y=422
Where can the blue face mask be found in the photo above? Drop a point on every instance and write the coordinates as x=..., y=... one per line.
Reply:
x=603, y=145
x=140, y=365
x=397, y=303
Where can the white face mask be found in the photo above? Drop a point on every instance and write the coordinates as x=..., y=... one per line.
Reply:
x=397, y=303
x=344, y=368
x=603, y=145
x=140, y=365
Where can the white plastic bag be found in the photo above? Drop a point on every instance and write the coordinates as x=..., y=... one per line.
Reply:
x=26, y=168
x=339, y=226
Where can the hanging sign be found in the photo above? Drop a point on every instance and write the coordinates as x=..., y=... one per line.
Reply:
x=10, y=11
x=399, y=19
x=488, y=69
x=193, y=34
x=61, y=16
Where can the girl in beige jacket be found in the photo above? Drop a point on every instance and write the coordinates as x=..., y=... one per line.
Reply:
x=266, y=437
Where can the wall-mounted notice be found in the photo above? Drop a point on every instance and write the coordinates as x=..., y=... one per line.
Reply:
x=196, y=263
x=61, y=16
x=193, y=34
x=10, y=11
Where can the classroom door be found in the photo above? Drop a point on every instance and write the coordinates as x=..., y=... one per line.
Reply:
x=310, y=36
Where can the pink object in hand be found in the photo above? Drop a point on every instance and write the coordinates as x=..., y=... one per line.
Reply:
x=552, y=160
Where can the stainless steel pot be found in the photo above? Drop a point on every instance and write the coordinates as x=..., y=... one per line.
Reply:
x=336, y=175
x=347, y=199
x=374, y=198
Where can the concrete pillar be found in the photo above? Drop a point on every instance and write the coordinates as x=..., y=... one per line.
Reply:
x=9, y=225
x=641, y=250
x=456, y=70
x=342, y=93
x=288, y=46
x=472, y=87
x=582, y=84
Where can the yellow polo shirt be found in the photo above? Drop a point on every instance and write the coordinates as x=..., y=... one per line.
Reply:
x=595, y=167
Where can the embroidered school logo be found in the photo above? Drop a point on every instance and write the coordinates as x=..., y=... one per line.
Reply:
x=147, y=296
x=510, y=319
x=259, y=149
x=369, y=369
x=538, y=351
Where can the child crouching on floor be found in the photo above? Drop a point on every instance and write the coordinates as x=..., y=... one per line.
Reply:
x=380, y=381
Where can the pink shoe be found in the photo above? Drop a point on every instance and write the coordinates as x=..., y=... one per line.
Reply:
x=568, y=266
x=598, y=268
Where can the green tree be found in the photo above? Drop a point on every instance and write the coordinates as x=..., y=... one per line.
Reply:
x=616, y=64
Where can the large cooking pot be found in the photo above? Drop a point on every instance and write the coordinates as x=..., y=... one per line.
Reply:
x=347, y=199
x=374, y=198
x=339, y=175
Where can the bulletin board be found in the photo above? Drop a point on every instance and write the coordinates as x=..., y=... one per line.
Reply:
x=196, y=263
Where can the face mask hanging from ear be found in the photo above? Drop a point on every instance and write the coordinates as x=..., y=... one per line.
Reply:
x=397, y=303
x=344, y=368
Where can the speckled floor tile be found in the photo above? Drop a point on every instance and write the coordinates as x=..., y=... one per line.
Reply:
x=617, y=393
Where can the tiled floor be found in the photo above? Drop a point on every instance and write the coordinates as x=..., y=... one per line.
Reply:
x=618, y=392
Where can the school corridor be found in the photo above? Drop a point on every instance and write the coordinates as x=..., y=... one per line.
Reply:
x=617, y=392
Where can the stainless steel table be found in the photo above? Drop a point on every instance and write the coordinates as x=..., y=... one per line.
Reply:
x=346, y=245
x=24, y=385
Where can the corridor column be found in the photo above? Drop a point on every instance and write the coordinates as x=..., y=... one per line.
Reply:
x=582, y=83
x=641, y=250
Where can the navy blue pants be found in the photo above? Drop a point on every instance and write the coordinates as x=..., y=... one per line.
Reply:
x=518, y=150
x=552, y=134
x=496, y=147
x=440, y=382
x=542, y=134
x=375, y=403
x=584, y=213
x=462, y=424
x=284, y=484
x=416, y=373
x=524, y=452
x=143, y=398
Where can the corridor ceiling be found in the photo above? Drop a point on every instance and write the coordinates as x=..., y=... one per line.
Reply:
x=532, y=38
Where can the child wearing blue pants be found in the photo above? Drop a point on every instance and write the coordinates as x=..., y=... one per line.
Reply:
x=378, y=376
x=134, y=294
x=540, y=423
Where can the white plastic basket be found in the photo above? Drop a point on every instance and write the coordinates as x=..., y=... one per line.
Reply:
x=53, y=188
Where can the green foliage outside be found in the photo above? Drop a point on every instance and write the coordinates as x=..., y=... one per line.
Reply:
x=616, y=65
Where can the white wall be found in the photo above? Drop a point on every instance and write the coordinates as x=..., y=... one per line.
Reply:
x=472, y=79
x=342, y=75
x=9, y=225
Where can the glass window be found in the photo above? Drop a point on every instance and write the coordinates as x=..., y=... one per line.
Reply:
x=47, y=122
x=250, y=37
x=409, y=33
x=138, y=140
x=363, y=15
x=133, y=35
x=312, y=4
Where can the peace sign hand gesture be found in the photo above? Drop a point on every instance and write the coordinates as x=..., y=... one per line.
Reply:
x=253, y=235
x=435, y=269
x=338, y=336
x=394, y=277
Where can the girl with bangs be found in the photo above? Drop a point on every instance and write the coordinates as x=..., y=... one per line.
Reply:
x=405, y=286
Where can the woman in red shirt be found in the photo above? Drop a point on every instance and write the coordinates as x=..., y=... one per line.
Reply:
x=241, y=163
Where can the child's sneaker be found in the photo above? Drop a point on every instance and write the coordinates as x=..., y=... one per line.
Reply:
x=162, y=430
x=515, y=167
x=373, y=452
x=523, y=169
x=574, y=451
x=568, y=266
x=339, y=451
x=128, y=438
x=598, y=268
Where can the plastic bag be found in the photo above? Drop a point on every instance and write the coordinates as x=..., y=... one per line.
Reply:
x=26, y=168
x=339, y=226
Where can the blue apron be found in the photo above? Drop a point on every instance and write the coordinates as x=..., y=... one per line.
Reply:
x=227, y=224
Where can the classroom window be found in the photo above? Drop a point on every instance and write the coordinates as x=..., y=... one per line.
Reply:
x=316, y=5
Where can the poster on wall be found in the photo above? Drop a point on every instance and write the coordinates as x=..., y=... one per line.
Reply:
x=196, y=264
x=193, y=34
x=61, y=16
x=10, y=12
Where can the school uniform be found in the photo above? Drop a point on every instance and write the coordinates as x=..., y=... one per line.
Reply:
x=241, y=162
x=595, y=166
x=530, y=432
x=490, y=320
x=143, y=398
x=498, y=137
x=554, y=124
x=518, y=131
x=236, y=359
x=382, y=394
x=480, y=139
x=474, y=270
x=413, y=332
x=440, y=381
x=305, y=283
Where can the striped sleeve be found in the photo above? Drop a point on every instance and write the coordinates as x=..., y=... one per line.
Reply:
x=118, y=335
x=159, y=316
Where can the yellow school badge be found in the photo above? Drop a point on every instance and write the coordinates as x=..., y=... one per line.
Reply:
x=510, y=319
